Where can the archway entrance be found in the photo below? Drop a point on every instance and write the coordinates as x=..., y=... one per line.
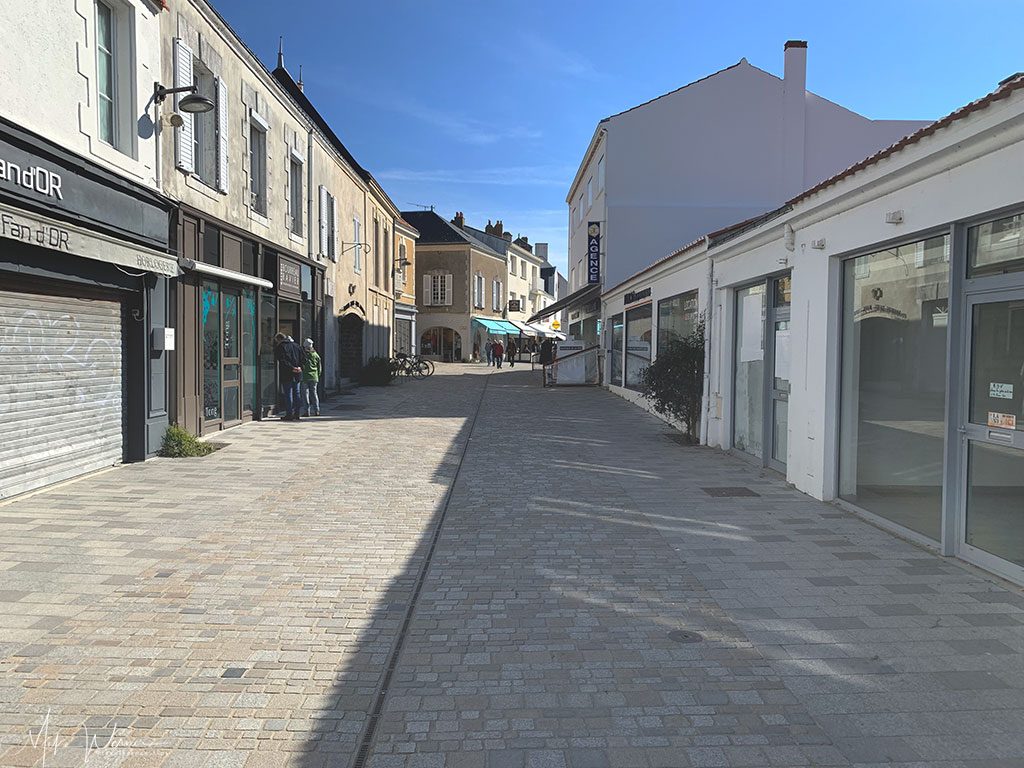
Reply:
x=350, y=346
x=442, y=344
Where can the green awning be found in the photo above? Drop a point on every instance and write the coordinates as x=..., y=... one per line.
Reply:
x=497, y=326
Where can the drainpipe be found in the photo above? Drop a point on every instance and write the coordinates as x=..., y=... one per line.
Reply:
x=708, y=318
x=309, y=193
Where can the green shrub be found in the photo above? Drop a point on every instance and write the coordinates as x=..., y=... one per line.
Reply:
x=180, y=443
x=376, y=373
x=674, y=382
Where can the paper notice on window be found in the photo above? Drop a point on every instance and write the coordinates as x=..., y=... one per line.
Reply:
x=751, y=333
x=782, y=355
x=1002, y=391
x=1002, y=420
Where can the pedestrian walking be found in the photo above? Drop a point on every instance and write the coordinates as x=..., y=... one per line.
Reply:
x=499, y=351
x=547, y=357
x=510, y=353
x=489, y=348
x=288, y=355
x=312, y=370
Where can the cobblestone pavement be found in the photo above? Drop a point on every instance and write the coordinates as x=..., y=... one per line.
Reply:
x=244, y=609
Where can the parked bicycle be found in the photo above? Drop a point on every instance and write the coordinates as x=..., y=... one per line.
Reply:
x=403, y=364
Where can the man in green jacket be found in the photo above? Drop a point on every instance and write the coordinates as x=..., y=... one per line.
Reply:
x=312, y=368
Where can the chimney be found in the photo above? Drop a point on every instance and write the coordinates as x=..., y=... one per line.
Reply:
x=280, y=52
x=541, y=249
x=459, y=220
x=507, y=236
x=794, y=117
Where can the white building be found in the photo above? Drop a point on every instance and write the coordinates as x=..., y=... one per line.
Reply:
x=722, y=149
x=866, y=339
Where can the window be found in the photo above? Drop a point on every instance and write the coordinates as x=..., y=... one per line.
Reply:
x=677, y=318
x=522, y=269
x=437, y=290
x=205, y=126
x=616, y=347
x=600, y=174
x=403, y=262
x=995, y=247
x=496, y=295
x=295, y=195
x=572, y=216
x=478, y=291
x=376, y=251
x=579, y=209
x=894, y=362
x=257, y=167
x=357, y=258
x=638, y=344
x=328, y=225
x=106, y=73
x=387, y=259
x=512, y=264
x=590, y=192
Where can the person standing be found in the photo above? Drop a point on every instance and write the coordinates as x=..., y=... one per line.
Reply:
x=499, y=351
x=489, y=347
x=511, y=353
x=288, y=355
x=312, y=370
x=547, y=358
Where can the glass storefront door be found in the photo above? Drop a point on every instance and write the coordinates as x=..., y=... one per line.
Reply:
x=232, y=357
x=781, y=292
x=993, y=514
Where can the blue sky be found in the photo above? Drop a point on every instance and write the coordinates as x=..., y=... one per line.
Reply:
x=487, y=107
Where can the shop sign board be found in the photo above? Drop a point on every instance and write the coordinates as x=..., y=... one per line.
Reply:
x=42, y=231
x=634, y=296
x=593, y=252
x=289, y=280
x=514, y=305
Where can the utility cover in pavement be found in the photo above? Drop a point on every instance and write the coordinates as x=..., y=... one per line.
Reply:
x=727, y=491
x=682, y=636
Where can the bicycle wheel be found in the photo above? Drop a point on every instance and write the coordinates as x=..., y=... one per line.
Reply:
x=419, y=369
x=428, y=366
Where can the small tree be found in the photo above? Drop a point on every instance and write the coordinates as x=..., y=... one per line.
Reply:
x=674, y=382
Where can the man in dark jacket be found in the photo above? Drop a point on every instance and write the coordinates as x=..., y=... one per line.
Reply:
x=289, y=372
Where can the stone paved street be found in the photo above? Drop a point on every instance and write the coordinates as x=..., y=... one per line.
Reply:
x=242, y=609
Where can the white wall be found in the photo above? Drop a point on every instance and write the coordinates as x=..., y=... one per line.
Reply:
x=48, y=71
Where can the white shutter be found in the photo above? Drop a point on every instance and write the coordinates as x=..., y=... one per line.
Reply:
x=428, y=291
x=323, y=219
x=447, y=290
x=222, y=135
x=184, y=137
x=334, y=229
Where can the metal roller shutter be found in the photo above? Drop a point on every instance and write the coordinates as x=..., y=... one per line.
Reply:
x=61, y=382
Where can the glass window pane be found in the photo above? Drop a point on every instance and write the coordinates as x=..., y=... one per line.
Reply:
x=231, y=325
x=211, y=351
x=268, y=370
x=780, y=432
x=995, y=247
x=231, y=412
x=106, y=110
x=894, y=384
x=617, y=348
x=997, y=365
x=104, y=27
x=211, y=245
x=995, y=501
x=748, y=389
x=677, y=317
x=782, y=356
x=249, y=349
x=638, y=344
x=306, y=282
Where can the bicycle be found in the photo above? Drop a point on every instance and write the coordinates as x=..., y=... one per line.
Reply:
x=410, y=365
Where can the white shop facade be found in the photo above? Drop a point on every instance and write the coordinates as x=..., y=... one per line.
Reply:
x=867, y=338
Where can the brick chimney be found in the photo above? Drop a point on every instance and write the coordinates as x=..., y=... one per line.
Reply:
x=507, y=236
x=522, y=242
x=459, y=220
x=794, y=117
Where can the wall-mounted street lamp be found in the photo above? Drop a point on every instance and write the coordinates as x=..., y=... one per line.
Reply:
x=350, y=246
x=194, y=103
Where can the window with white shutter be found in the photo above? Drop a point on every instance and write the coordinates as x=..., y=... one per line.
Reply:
x=357, y=257
x=332, y=240
x=324, y=211
x=427, y=299
x=222, y=135
x=448, y=289
x=185, y=135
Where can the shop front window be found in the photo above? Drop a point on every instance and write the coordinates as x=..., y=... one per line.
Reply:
x=250, y=341
x=638, y=345
x=268, y=370
x=677, y=318
x=617, y=347
x=996, y=247
x=748, y=386
x=211, y=352
x=895, y=310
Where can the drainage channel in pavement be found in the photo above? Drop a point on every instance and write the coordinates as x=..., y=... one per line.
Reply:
x=369, y=732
